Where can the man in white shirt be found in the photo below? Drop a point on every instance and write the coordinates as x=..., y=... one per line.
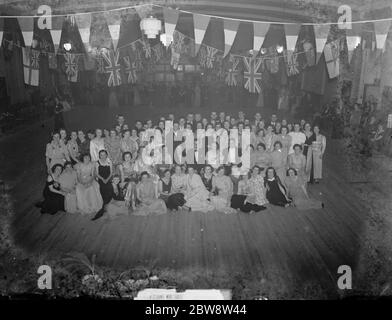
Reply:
x=297, y=137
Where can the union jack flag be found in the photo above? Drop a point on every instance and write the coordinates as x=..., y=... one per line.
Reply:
x=146, y=49
x=71, y=66
x=291, y=63
x=252, y=75
x=34, y=58
x=231, y=74
x=113, y=67
x=31, y=66
x=130, y=69
x=158, y=52
x=100, y=64
x=210, y=57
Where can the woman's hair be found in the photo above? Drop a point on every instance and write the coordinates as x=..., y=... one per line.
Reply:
x=261, y=145
x=220, y=168
x=85, y=155
x=284, y=127
x=67, y=163
x=258, y=131
x=279, y=143
x=297, y=145
x=166, y=171
x=102, y=151
x=125, y=153
x=53, y=169
x=291, y=169
x=144, y=173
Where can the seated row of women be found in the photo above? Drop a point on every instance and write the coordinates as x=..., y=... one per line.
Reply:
x=95, y=188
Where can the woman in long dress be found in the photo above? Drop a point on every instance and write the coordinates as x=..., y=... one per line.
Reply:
x=147, y=197
x=104, y=173
x=55, y=152
x=318, y=149
x=178, y=188
x=88, y=197
x=296, y=187
x=297, y=160
x=68, y=180
x=120, y=202
x=256, y=199
x=278, y=160
x=276, y=192
x=222, y=187
x=53, y=195
x=196, y=195
x=307, y=151
x=244, y=190
x=96, y=144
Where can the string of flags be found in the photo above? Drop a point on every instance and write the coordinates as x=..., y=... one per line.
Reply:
x=128, y=59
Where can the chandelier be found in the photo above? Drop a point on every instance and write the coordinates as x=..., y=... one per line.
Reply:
x=166, y=39
x=151, y=27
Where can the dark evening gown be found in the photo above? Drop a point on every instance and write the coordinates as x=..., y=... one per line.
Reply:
x=307, y=152
x=166, y=187
x=105, y=189
x=53, y=202
x=274, y=193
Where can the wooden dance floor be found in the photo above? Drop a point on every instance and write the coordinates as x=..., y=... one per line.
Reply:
x=302, y=245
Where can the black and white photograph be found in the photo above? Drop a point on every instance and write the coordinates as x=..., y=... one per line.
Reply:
x=195, y=150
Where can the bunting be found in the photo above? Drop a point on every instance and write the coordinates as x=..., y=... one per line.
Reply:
x=260, y=29
x=331, y=54
x=210, y=56
x=71, y=66
x=272, y=62
x=291, y=31
x=83, y=22
x=230, y=28
x=175, y=58
x=100, y=64
x=381, y=29
x=146, y=48
x=52, y=60
x=252, y=75
x=232, y=73
x=31, y=66
x=1, y=30
x=310, y=54
x=26, y=25
x=171, y=18
x=113, y=20
x=55, y=31
x=113, y=67
x=200, y=23
x=292, y=65
x=130, y=69
x=353, y=38
x=158, y=52
x=321, y=34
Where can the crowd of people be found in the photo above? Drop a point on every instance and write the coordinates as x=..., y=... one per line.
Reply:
x=103, y=173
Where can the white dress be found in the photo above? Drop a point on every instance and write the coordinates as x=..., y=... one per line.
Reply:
x=196, y=194
x=88, y=198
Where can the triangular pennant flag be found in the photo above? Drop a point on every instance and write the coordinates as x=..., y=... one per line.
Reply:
x=291, y=31
x=171, y=18
x=143, y=10
x=31, y=66
x=230, y=28
x=381, y=29
x=113, y=20
x=26, y=27
x=321, y=34
x=200, y=23
x=353, y=38
x=260, y=29
x=331, y=54
x=83, y=22
x=57, y=26
x=1, y=30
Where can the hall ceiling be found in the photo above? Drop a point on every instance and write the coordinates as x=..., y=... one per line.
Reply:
x=263, y=10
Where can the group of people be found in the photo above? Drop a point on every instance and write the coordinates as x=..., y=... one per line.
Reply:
x=106, y=174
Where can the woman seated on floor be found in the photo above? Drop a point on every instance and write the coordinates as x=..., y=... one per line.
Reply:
x=222, y=190
x=120, y=202
x=165, y=186
x=196, y=195
x=147, y=197
x=243, y=191
x=276, y=192
x=176, y=198
x=53, y=195
x=255, y=200
x=88, y=196
x=68, y=180
x=296, y=187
